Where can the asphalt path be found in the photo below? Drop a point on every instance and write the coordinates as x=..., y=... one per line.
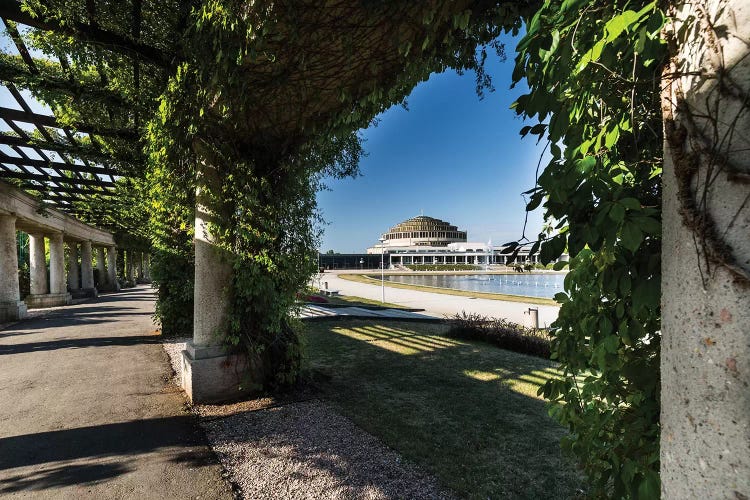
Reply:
x=442, y=305
x=87, y=411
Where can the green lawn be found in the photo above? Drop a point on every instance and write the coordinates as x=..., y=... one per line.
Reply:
x=467, y=412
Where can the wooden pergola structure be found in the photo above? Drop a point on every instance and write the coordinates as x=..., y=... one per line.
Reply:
x=64, y=164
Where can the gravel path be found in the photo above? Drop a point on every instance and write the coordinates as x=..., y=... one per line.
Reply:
x=303, y=450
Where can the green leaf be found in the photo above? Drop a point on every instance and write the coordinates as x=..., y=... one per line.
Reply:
x=534, y=202
x=611, y=138
x=586, y=164
x=649, y=487
x=630, y=203
x=611, y=344
x=560, y=265
x=625, y=284
x=617, y=212
x=631, y=236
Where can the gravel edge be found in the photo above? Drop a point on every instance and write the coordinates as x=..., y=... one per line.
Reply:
x=303, y=450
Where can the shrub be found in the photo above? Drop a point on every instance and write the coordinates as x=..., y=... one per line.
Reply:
x=501, y=333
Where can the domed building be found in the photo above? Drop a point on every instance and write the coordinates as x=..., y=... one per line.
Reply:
x=423, y=231
x=424, y=240
x=427, y=240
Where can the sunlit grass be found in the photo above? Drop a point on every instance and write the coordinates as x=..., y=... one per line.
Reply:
x=468, y=412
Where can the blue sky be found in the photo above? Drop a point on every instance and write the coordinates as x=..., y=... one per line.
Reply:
x=450, y=156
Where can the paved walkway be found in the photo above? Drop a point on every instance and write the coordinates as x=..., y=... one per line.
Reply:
x=441, y=305
x=312, y=312
x=86, y=409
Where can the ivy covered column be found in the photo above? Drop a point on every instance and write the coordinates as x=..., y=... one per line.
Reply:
x=11, y=307
x=209, y=373
x=705, y=417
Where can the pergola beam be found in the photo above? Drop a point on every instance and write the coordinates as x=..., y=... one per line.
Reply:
x=51, y=121
x=72, y=167
x=87, y=33
x=7, y=174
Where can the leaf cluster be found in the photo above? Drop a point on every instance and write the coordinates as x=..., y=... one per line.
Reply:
x=593, y=70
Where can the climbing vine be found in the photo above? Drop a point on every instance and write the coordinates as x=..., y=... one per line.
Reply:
x=593, y=69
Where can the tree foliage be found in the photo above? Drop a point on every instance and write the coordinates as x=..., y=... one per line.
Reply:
x=593, y=69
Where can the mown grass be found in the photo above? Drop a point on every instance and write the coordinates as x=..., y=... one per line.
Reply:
x=465, y=411
x=361, y=278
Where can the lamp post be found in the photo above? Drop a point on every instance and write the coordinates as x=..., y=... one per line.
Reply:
x=382, y=270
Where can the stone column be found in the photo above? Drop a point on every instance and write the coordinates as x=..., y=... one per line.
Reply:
x=147, y=267
x=37, y=267
x=112, y=268
x=87, y=270
x=11, y=307
x=208, y=372
x=74, y=282
x=101, y=268
x=138, y=266
x=129, y=266
x=705, y=348
x=58, y=291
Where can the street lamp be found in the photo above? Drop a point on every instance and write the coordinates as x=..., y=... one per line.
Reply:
x=382, y=270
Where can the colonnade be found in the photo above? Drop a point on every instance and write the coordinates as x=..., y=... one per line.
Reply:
x=56, y=283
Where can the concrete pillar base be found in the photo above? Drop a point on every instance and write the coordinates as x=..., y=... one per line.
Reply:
x=11, y=311
x=211, y=375
x=107, y=287
x=85, y=293
x=48, y=300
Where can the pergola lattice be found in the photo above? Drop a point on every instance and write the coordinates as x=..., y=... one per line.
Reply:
x=64, y=164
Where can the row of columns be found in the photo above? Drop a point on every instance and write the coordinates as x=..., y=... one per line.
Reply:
x=43, y=294
x=137, y=266
x=79, y=280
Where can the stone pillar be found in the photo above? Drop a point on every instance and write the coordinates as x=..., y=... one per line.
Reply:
x=705, y=348
x=37, y=267
x=57, y=286
x=112, y=268
x=87, y=270
x=74, y=282
x=147, y=267
x=208, y=372
x=138, y=267
x=101, y=268
x=11, y=307
x=129, y=267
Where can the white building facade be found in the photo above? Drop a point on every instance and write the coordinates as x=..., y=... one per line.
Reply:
x=425, y=240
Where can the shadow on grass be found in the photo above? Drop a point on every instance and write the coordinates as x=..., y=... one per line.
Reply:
x=466, y=411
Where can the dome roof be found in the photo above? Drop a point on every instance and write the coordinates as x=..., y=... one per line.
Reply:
x=422, y=223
